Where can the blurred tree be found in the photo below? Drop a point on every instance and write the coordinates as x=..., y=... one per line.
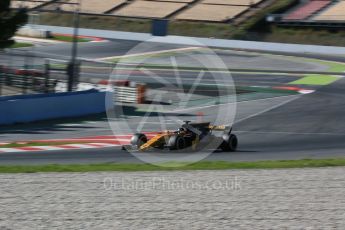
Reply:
x=10, y=22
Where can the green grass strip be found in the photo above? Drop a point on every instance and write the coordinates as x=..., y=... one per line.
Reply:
x=176, y=166
x=332, y=66
x=315, y=80
x=68, y=38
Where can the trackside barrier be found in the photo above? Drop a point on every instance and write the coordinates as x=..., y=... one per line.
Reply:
x=32, y=32
x=129, y=94
x=37, y=84
x=210, y=42
x=36, y=107
x=160, y=27
x=30, y=79
x=141, y=92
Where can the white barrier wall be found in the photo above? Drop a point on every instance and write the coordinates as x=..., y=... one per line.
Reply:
x=194, y=41
x=125, y=94
x=128, y=94
x=28, y=108
x=31, y=32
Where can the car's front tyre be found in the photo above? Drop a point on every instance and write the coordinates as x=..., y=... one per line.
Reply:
x=138, y=140
x=230, y=143
x=176, y=143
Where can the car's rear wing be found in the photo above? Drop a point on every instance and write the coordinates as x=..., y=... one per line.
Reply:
x=219, y=127
x=225, y=128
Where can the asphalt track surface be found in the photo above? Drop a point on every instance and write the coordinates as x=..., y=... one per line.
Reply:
x=114, y=48
x=291, y=127
x=87, y=50
x=308, y=126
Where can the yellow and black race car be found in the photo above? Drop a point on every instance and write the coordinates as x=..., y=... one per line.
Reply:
x=188, y=136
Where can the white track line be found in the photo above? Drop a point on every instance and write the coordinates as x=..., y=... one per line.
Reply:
x=98, y=139
x=149, y=53
x=97, y=143
x=61, y=147
x=292, y=133
x=70, y=125
x=49, y=148
x=12, y=150
x=104, y=145
x=268, y=109
x=80, y=146
x=240, y=102
x=29, y=39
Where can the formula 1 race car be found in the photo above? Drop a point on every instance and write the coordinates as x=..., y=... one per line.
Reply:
x=188, y=136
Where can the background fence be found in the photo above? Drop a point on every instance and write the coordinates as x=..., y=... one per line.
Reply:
x=24, y=72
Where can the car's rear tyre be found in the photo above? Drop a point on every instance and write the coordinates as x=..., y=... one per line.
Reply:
x=138, y=140
x=176, y=143
x=230, y=143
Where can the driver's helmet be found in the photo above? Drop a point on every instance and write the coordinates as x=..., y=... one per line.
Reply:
x=181, y=130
